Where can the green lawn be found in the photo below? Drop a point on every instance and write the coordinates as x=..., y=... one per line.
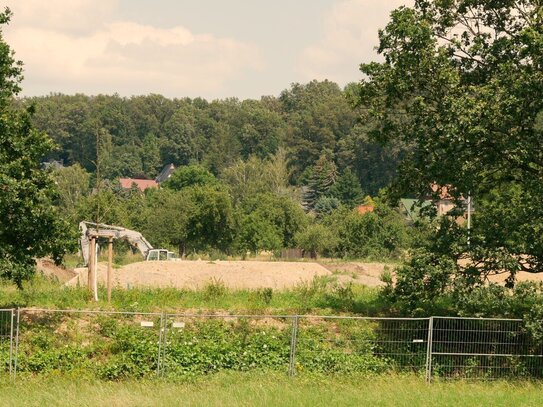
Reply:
x=263, y=389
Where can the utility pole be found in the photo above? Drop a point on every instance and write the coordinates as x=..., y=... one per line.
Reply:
x=98, y=181
x=469, y=218
x=94, y=252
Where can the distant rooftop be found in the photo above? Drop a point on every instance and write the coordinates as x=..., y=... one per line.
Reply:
x=165, y=173
x=363, y=209
x=55, y=164
x=142, y=184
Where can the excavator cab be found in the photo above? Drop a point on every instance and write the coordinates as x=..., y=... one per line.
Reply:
x=172, y=256
x=160, y=255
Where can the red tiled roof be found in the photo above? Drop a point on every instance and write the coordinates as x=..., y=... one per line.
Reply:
x=142, y=184
x=362, y=209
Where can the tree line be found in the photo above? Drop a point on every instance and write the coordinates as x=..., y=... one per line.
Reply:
x=253, y=175
x=137, y=136
x=250, y=209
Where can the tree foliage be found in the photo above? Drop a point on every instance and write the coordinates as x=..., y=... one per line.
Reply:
x=245, y=179
x=462, y=86
x=31, y=226
x=322, y=176
x=140, y=135
x=189, y=175
x=317, y=239
x=347, y=189
x=380, y=234
x=73, y=185
x=283, y=217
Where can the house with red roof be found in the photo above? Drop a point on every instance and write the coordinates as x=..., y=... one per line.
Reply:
x=142, y=184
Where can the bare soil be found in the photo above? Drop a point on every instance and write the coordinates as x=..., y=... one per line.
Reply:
x=368, y=274
x=235, y=274
x=198, y=274
x=520, y=276
x=50, y=269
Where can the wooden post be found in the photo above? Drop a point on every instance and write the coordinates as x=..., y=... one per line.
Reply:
x=90, y=266
x=109, y=268
x=95, y=271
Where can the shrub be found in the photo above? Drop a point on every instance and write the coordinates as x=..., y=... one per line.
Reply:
x=214, y=290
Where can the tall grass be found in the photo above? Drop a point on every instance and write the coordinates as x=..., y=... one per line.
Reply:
x=321, y=296
x=268, y=389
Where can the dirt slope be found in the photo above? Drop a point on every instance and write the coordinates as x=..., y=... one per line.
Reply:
x=49, y=269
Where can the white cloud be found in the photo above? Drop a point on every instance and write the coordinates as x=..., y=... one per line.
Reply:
x=76, y=47
x=73, y=16
x=350, y=38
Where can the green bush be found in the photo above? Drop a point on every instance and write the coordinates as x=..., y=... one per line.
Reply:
x=116, y=347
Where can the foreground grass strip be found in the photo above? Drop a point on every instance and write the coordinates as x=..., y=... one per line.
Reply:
x=265, y=389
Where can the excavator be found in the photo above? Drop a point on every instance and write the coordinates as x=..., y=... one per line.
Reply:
x=134, y=238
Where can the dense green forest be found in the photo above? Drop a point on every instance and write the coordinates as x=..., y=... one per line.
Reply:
x=251, y=175
x=137, y=136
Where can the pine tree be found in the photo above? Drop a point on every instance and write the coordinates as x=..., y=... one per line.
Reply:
x=323, y=176
x=347, y=189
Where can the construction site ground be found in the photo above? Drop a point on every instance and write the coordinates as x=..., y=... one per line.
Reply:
x=233, y=274
x=187, y=274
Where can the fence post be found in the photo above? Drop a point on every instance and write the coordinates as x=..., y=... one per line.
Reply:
x=16, y=344
x=293, y=341
x=11, y=344
x=164, y=346
x=159, y=355
x=429, y=349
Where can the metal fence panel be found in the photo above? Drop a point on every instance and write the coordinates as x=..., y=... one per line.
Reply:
x=6, y=340
x=114, y=345
x=202, y=344
x=109, y=345
x=484, y=348
x=361, y=345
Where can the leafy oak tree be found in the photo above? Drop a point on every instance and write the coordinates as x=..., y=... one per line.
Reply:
x=73, y=185
x=462, y=86
x=190, y=175
x=30, y=226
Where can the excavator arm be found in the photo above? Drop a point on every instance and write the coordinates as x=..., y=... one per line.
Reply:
x=88, y=229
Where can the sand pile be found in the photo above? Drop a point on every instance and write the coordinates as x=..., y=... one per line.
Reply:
x=197, y=274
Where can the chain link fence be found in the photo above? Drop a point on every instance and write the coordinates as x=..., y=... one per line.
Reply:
x=108, y=345
x=117, y=345
x=484, y=348
x=6, y=339
x=202, y=344
x=358, y=344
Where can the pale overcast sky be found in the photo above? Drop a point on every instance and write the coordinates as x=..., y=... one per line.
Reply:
x=208, y=48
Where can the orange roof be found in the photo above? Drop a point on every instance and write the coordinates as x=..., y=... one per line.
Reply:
x=443, y=192
x=142, y=184
x=362, y=209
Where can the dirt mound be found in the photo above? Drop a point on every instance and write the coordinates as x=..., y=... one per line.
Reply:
x=197, y=274
x=50, y=269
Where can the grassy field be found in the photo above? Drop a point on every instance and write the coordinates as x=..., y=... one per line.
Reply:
x=232, y=388
x=321, y=296
x=264, y=389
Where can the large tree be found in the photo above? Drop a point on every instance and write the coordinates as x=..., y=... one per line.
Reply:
x=462, y=86
x=30, y=226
